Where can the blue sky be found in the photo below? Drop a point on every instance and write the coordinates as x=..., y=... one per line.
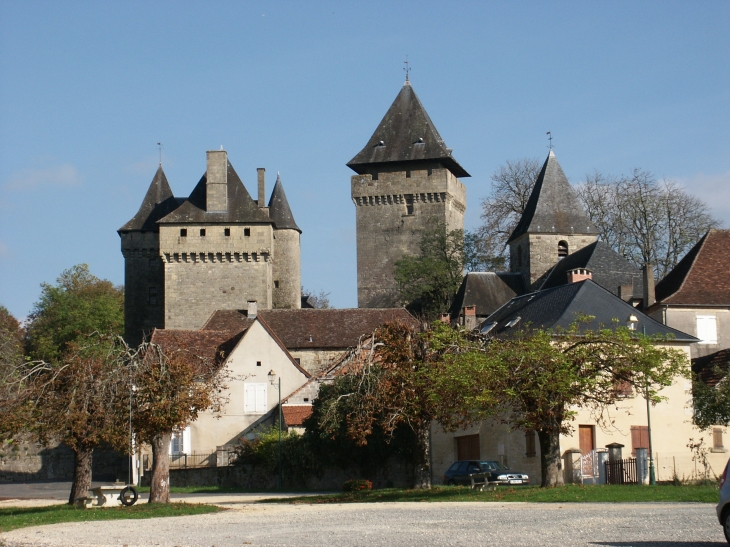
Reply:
x=87, y=89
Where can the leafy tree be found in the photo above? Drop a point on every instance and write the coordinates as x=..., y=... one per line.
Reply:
x=536, y=381
x=432, y=278
x=172, y=386
x=11, y=338
x=711, y=398
x=78, y=305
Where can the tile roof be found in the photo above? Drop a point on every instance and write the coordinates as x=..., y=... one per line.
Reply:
x=202, y=345
x=712, y=368
x=701, y=278
x=241, y=208
x=279, y=209
x=407, y=134
x=157, y=202
x=485, y=290
x=294, y=415
x=332, y=328
x=232, y=321
x=609, y=269
x=553, y=206
x=560, y=306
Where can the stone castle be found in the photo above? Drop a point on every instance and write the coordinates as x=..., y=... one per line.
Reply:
x=218, y=249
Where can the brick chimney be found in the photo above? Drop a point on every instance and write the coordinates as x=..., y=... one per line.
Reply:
x=647, y=271
x=579, y=274
x=470, y=317
x=261, y=172
x=216, y=181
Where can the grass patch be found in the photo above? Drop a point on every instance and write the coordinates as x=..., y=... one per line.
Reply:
x=212, y=490
x=21, y=517
x=563, y=494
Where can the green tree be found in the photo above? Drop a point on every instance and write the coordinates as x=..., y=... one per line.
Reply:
x=711, y=398
x=429, y=281
x=78, y=305
x=537, y=379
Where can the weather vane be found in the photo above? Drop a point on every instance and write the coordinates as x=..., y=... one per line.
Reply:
x=406, y=68
x=550, y=138
x=159, y=147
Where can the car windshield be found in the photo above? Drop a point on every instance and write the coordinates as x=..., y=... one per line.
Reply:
x=492, y=466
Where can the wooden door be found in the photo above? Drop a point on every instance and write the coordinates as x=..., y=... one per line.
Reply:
x=467, y=447
x=587, y=446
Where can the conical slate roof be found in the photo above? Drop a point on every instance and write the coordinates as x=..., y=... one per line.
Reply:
x=241, y=208
x=553, y=206
x=279, y=210
x=157, y=203
x=406, y=133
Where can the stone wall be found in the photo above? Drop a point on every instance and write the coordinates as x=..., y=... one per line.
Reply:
x=287, y=270
x=392, y=213
x=144, y=285
x=315, y=361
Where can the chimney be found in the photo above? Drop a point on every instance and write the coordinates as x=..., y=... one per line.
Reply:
x=626, y=292
x=470, y=317
x=445, y=318
x=262, y=186
x=649, y=295
x=252, y=309
x=216, y=181
x=579, y=274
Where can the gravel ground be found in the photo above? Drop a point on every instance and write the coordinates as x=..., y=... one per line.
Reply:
x=401, y=524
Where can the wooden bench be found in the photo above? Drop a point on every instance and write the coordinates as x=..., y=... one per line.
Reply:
x=481, y=482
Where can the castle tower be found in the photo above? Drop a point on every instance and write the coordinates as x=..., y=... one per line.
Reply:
x=144, y=276
x=406, y=178
x=287, y=291
x=215, y=250
x=553, y=226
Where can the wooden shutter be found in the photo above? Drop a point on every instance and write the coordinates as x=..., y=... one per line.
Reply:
x=639, y=438
x=467, y=447
x=707, y=329
x=261, y=398
x=717, y=438
x=530, y=444
x=585, y=438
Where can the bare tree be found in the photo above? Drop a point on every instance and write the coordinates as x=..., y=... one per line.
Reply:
x=320, y=300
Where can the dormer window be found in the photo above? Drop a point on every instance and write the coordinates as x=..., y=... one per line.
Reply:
x=562, y=249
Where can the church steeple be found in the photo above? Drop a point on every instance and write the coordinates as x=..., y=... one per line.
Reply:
x=405, y=136
x=553, y=226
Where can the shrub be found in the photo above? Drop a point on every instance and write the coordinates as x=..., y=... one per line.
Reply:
x=355, y=485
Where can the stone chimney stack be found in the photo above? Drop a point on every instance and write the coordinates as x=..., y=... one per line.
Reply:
x=262, y=186
x=216, y=181
x=253, y=308
x=626, y=292
x=579, y=274
x=649, y=295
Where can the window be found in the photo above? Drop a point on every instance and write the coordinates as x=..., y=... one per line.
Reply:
x=276, y=284
x=717, y=444
x=707, y=329
x=562, y=249
x=639, y=438
x=183, y=232
x=258, y=363
x=152, y=296
x=202, y=232
x=247, y=232
x=408, y=174
x=180, y=442
x=298, y=360
x=409, y=204
x=227, y=232
x=375, y=176
x=530, y=444
x=254, y=398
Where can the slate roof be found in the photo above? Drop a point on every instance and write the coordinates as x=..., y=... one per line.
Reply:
x=485, y=290
x=279, y=210
x=558, y=308
x=203, y=346
x=329, y=329
x=294, y=415
x=407, y=134
x=701, y=278
x=232, y=321
x=712, y=368
x=553, y=206
x=609, y=269
x=157, y=202
x=241, y=208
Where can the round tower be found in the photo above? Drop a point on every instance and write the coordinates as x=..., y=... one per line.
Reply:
x=287, y=272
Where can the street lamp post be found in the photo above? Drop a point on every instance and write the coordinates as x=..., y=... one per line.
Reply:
x=272, y=378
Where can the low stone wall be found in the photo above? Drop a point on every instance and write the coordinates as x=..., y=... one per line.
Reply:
x=25, y=461
x=394, y=474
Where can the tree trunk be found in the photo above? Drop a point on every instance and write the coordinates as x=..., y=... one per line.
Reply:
x=82, y=474
x=160, y=481
x=550, y=462
x=423, y=457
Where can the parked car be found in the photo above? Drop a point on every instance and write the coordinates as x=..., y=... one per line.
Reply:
x=723, y=507
x=459, y=473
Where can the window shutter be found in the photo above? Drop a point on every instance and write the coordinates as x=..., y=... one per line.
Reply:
x=249, y=398
x=707, y=329
x=186, y=444
x=261, y=398
x=639, y=438
x=717, y=438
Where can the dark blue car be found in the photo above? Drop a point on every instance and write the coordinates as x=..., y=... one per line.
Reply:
x=459, y=473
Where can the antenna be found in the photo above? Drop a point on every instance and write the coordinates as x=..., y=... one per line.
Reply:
x=407, y=68
x=550, y=138
x=159, y=147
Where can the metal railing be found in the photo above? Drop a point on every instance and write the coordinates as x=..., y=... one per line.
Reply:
x=188, y=461
x=621, y=472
